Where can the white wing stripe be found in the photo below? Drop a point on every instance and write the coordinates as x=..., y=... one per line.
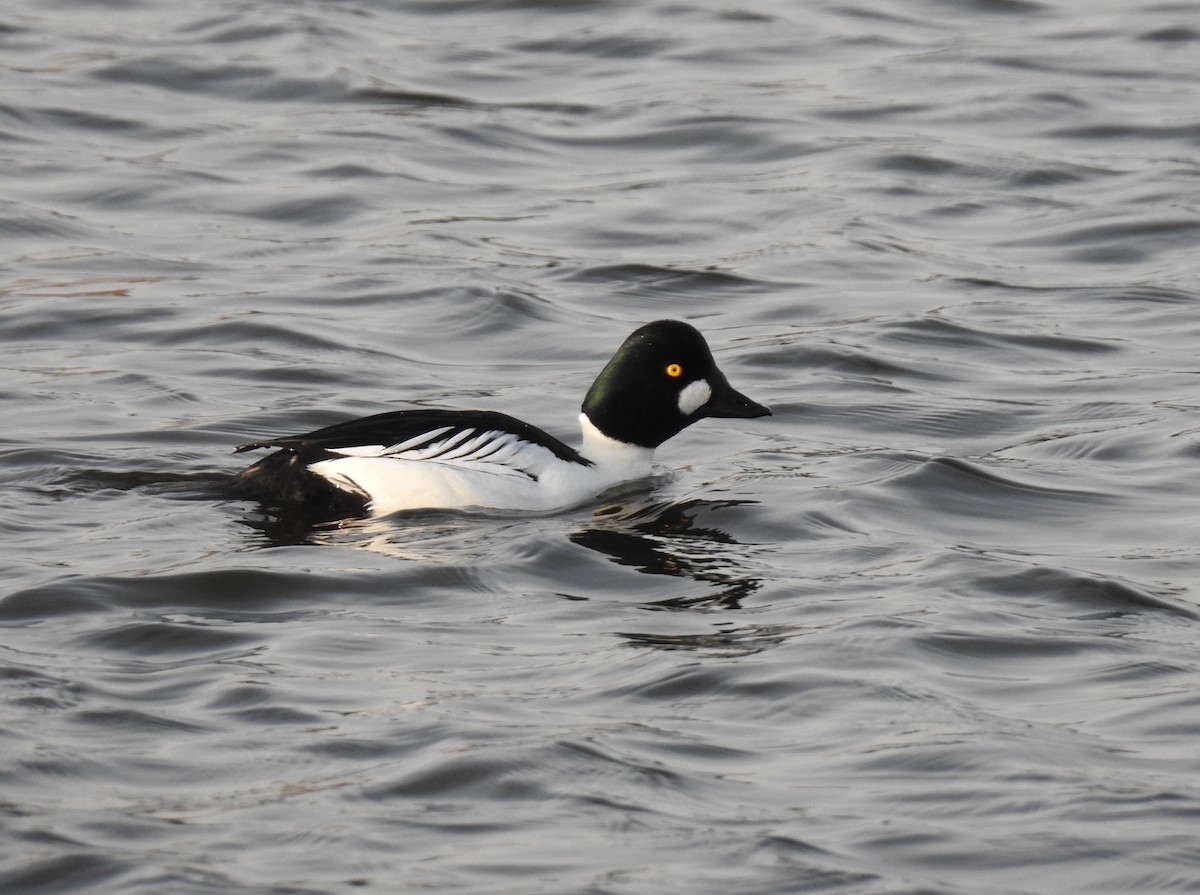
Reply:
x=465, y=447
x=379, y=450
x=361, y=450
x=438, y=448
x=435, y=446
x=494, y=451
x=418, y=441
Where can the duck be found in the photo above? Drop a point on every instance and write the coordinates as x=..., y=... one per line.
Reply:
x=662, y=379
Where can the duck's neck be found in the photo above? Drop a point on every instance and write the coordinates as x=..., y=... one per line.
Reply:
x=628, y=461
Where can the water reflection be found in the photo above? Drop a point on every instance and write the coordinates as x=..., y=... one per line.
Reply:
x=427, y=536
x=290, y=529
x=675, y=539
x=668, y=539
x=680, y=540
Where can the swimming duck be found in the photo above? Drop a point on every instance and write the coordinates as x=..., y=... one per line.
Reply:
x=662, y=379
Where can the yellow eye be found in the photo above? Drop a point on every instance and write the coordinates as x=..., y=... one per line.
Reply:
x=674, y=371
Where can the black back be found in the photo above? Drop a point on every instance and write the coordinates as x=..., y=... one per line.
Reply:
x=402, y=425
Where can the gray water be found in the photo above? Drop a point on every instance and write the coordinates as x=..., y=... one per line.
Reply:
x=931, y=628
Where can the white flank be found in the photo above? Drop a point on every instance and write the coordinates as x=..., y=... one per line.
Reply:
x=694, y=396
x=482, y=469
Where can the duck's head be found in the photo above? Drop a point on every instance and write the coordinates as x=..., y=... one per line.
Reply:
x=661, y=380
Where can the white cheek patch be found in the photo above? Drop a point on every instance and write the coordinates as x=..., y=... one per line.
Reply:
x=694, y=397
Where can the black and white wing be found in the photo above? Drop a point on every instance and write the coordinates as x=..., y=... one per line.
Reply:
x=479, y=439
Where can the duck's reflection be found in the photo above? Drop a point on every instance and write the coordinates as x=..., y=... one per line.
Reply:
x=431, y=536
x=670, y=539
x=681, y=540
x=675, y=539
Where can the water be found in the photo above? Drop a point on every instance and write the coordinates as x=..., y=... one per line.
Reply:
x=929, y=629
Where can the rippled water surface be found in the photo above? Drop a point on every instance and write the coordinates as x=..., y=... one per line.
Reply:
x=931, y=628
